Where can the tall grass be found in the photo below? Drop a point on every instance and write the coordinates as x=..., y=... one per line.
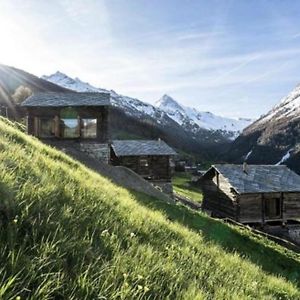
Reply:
x=68, y=233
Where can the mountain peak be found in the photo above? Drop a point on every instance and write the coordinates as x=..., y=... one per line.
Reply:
x=58, y=73
x=74, y=84
x=169, y=104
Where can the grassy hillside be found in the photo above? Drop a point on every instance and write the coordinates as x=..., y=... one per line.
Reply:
x=183, y=186
x=68, y=233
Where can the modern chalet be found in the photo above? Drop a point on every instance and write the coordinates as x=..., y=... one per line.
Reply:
x=78, y=118
x=252, y=194
x=151, y=159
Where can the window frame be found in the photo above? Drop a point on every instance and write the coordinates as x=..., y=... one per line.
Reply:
x=268, y=208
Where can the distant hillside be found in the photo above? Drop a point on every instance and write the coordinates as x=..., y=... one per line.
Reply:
x=69, y=233
x=12, y=78
x=274, y=138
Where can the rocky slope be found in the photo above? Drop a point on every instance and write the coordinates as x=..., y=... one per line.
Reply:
x=274, y=138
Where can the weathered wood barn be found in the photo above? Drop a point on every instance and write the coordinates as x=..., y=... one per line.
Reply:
x=151, y=159
x=78, y=118
x=261, y=194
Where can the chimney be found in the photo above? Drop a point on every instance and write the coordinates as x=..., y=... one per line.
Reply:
x=159, y=141
x=245, y=168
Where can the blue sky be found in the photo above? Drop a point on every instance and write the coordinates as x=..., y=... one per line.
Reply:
x=234, y=58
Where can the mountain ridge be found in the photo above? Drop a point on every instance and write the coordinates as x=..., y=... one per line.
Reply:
x=188, y=118
x=274, y=138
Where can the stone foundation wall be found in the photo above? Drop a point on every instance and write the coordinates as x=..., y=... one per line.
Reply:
x=294, y=234
x=100, y=152
x=164, y=186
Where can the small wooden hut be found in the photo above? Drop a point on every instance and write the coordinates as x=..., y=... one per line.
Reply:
x=151, y=159
x=264, y=194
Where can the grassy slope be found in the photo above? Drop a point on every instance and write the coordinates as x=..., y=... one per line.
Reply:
x=182, y=186
x=67, y=232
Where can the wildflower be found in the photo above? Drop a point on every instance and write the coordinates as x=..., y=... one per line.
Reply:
x=126, y=284
x=15, y=220
x=105, y=232
x=146, y=289
x=140, y=277
x=132, y=234
x=125, y=275
x=140, y=287
x=18, y=298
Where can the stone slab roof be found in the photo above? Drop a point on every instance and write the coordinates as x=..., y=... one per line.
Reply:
x=259, y=178
x=141, y=147
x=62, y=99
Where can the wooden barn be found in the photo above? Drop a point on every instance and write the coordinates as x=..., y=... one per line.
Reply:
x=151, y=159
x=252, y=194
x=78, y=118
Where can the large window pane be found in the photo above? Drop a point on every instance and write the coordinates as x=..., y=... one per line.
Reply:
x=46, y=127
x=89, y=128
x=69, y=128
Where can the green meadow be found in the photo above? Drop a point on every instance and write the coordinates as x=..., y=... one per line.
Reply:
x=69, y=233
x=183, y=187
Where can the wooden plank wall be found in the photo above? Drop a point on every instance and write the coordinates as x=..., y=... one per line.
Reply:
x=291, y=206
x=215, y=200
x=159, y=166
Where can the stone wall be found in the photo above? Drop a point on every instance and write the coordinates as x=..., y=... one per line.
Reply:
x=164, y=186
x=294, y=234
x=98, y=151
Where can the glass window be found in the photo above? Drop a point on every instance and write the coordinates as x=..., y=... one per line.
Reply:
x=69, y=128
x=144, y=162
x=69, y=123
x=46, y=127
x=89, y=128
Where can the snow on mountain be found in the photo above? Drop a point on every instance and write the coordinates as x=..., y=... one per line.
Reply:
x=165, y=109
x=131, y=106
x=289, y=107
x=274, y=138
x=183, y=115
x=70, y=83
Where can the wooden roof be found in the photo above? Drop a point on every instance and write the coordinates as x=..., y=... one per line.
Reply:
x=141, y=147
x=259, y=178
x=65, y=99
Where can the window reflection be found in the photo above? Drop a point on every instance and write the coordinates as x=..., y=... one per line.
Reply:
x=69, y=128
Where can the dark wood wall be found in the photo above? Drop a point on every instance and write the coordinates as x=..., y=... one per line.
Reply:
x=101, y=113
x=158, y=166
x=216, y=200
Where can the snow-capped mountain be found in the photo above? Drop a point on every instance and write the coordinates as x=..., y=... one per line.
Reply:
x=183, y=115
x=132, y=106
x=274, y=138
x=165, y=110
x=70, y=83
x=288, y=107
